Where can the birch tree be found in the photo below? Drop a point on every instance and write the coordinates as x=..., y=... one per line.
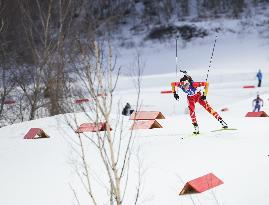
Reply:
x=99, y=76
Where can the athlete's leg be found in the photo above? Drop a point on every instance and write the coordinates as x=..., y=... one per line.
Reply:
x=256, y=108
x=192, y=110
x=205, y=104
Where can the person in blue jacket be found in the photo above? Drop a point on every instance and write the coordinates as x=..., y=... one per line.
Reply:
x=257, y=103
x=259, y=76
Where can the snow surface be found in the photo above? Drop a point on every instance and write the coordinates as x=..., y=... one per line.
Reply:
x=41, y=171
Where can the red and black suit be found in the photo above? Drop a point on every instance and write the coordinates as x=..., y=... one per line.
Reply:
x=194, y=95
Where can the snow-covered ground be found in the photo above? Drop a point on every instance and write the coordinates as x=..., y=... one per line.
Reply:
x=42, y=171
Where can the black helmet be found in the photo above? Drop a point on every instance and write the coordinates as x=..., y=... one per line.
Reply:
x=186, y=78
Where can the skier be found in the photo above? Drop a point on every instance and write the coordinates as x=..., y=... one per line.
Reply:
x=193, y=91
x=257, y=103
x=259, y=76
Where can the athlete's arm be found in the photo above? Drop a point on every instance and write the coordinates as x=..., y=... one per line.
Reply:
x=200, y=84
x=174, y=85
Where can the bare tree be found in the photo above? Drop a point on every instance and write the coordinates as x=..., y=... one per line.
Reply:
x=2, y=23
x=7, y=84
x=30, y=77
x=57, y=77
x=1, y=18
x=43, y=80
x=99, y=77
x=3, y=90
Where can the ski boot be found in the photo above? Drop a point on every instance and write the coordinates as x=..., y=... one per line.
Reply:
x=223, y=124
x=196, y=128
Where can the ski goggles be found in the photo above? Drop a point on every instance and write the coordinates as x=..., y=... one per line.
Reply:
x=185, y=84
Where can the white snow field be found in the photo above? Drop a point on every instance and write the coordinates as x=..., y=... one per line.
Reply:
x=42, y=171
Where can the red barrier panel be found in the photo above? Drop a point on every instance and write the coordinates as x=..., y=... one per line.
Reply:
x=256, y=114
x=149, y=124
x=92, y=127
x=201, y=184
x=146, y=115
x=249, y=86
x=9, y=102
x=101, y=94
x=35, y=133
x=79, y=101
x=166, y=91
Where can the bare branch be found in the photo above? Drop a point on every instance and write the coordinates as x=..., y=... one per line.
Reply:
x=85, y=167
x=2, y=25
x=99, y=76
x=75, y=194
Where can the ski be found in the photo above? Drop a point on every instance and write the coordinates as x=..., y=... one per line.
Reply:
x=223, y=129
x=190, y=135
x=204, y=133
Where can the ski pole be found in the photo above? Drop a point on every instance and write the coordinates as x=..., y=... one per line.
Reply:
x=177, y=36
x=211, y=58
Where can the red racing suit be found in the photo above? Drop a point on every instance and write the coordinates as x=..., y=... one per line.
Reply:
x=194, y=95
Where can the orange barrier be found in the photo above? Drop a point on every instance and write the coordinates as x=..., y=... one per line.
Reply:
x=79, y=101
x=201, y=184
x=146, y=115
x=149, y=124
x=256, y=114
x=9, y=102
x=35, y=133
x=166, y=91
x=92, y=127
x=248, y=86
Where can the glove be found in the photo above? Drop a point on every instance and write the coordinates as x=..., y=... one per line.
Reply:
x=203, y=97
x=176, y=96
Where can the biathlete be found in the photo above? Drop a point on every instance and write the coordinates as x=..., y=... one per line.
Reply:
x=194, y=95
